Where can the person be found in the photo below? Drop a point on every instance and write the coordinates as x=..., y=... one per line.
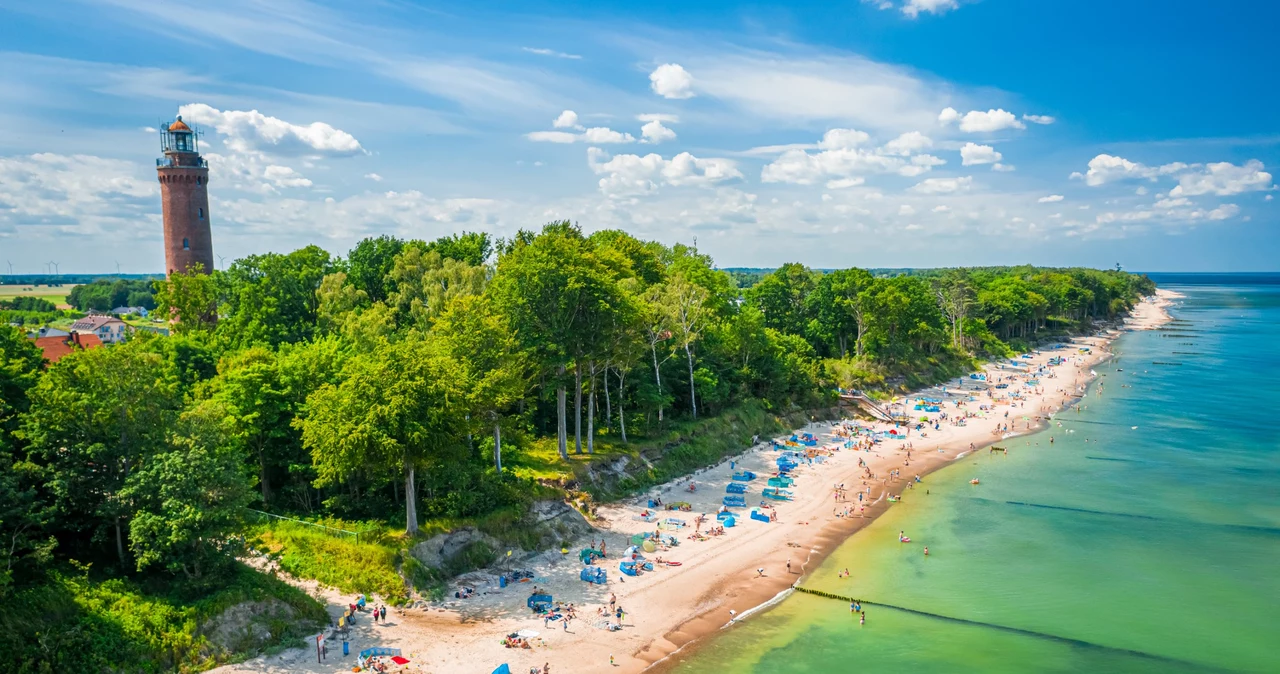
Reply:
x=926, y=551
x=788, y=566
x=863, y=620
x=857, y=603
x=611, y=664
x=760, y=572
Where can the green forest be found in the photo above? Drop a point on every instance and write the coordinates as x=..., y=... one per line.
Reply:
x=414, y=386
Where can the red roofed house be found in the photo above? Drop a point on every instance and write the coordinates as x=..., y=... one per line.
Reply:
x=55, y=348
x=108, y=329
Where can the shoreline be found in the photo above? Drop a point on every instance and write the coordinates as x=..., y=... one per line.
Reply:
x=671, y=611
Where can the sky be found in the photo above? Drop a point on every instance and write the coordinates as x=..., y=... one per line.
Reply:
x=879, y=133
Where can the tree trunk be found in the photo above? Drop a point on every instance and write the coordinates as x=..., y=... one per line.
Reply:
x=262, y=477
x=577, y=408
x=410, y=500
x=591, y=413
x=693, y=402
x=497, y=445
x=608, y=403
x=657, y=375
x=562, y=426
x=622, y=415
x=120, y=541
x=395, y=492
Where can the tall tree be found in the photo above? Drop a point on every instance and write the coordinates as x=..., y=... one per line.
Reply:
x=398, y=409
x=685, y=305
x=96, y=417
x=369, y=263
x=190, y=299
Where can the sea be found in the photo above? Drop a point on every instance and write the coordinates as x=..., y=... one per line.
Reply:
x=1145, y=538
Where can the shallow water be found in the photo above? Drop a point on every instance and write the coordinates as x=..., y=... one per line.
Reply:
x=1112, y=549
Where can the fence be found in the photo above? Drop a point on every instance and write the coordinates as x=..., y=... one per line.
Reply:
x=333, y=531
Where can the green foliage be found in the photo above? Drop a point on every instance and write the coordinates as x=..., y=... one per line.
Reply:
x=335, y=561
x=105, y=295
x=30, y=304
x=72, y=623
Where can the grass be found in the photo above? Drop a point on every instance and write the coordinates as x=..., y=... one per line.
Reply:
x=368, y=567
x=56, y=294
x=77, y=623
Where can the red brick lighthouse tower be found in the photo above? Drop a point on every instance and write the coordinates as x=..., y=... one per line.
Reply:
x=184, y=197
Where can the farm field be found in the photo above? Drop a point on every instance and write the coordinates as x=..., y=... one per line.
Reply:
x=56, y=294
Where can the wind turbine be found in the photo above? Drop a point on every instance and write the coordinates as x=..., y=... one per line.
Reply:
x=222, y=262
x=56, y=272
x=117, y=267
x=10, y=267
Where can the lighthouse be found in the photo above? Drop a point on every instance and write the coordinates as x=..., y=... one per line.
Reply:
x=184, y=200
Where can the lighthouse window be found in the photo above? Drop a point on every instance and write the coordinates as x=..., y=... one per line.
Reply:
x=201, y=213
x=186, y=244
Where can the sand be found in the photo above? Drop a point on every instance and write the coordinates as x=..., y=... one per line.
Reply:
x=718, y=581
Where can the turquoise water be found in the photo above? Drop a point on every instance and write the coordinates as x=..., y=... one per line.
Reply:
x=1115, y=549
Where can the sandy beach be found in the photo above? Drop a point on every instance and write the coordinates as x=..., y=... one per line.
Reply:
x=719, y=578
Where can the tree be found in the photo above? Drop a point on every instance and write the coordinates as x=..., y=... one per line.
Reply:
x=780, y=296
x=271, y=298
x=685, y=305
x=399, y=408
x=478, y=336
x=259, y=408
x=190, y=497
x=552, y=291
x=472, y=248
x=369, y=263
x=954, y=298
x=190, y=300
x=97, y=416
x=425, y=282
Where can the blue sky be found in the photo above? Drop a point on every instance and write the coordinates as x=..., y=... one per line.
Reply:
x=880, y=133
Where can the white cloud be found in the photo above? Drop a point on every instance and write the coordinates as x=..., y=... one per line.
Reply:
x=1223, y=179
x=973, y=154
x=598, y=135
x=906, y=209
x=843, y=139
x=553, y=137
x=671, y=80
x=567, y=120
x=943, y=185
x=1268, y=198
x=843, y=183
x=1173, y=203
x=844, y=155
x=655, y=132
x=1004, y=168
x=1039, y=119
x=630, y=174
x=254, y=172
x=1141, y=191
x=914, y=8
x=374, y=177
x=248, y=131
x=1106, y=168
x=658, y=117
x=1050, y=199
x=976, y=121
x=907, y=143
x=832, y=89
x=941, y=208
x=550, y=52
x=78, y=194
x=283, y=176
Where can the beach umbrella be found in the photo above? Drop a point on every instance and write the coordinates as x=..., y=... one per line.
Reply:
x=649, y=546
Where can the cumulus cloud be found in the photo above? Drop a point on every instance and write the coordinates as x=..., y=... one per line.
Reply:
x=907, y=143
x=906, y=209
x=973, y=154
x=567, y=120
x=553, y=137
x=252, y=131
x=1106, y=168
x=943, y=185
x=1050, y=199
x=1003, y=167
x=1223, y=179
x=254, y=172
x=977, y=121
x=631, y=175
x=1039, y=119
x=846, y=153
x=843, y=183
x=655, y=132
x=671, y=80
x=374, y=177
